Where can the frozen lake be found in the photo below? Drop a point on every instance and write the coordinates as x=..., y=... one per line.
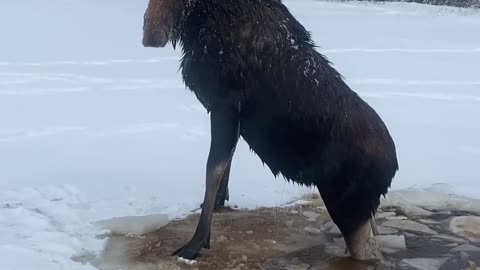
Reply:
x=83, y=104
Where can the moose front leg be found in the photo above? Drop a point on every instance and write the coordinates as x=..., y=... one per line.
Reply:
x=223, y=193
x=225, y=131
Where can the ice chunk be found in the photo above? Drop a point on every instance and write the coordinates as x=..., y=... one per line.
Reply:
x=414, y=211
x=428, y=221
x=397, y=218
x=425, y=263
x=331, y=228
x=298, y=202
x=410, y=226
x=328, y=225
x=386, y=230
x=334, y=230
x=391, y=243
x=134, y=225
x=467, y=227
x=451, y=238
x=465, y=247
x=312, y=216
x=312, y=230
x=385, y=215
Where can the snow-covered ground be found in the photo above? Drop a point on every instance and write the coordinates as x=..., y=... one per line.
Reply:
x=93, y=125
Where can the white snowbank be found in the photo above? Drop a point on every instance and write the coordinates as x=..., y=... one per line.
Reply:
x=44, y=228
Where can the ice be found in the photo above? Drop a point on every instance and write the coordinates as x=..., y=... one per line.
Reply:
x=450, y=238
x=410, y=226
x=386, y=230
x=414, y=211
x=133, y=225
x=467, y=227
x=334, y=231
x=425, y=263
x=385, y=215
x=312, y=216
x=391, y=243
x=312, y=230
x=297, y=202
x=437, y=197
x=465, y=247
x=397, y=218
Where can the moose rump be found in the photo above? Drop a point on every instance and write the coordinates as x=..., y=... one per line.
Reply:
x=255, y=69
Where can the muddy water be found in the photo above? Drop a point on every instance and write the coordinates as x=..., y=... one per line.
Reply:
x=269, y=239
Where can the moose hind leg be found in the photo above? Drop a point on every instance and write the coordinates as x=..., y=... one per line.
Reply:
x=351, y=205
x=361, y=243
x=374, y=226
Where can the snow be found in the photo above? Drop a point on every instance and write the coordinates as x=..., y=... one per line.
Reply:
x=47, y=226
x=93, y=126
x=187, y=261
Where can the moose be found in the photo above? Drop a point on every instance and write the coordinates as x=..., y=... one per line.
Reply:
x=257, y=72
